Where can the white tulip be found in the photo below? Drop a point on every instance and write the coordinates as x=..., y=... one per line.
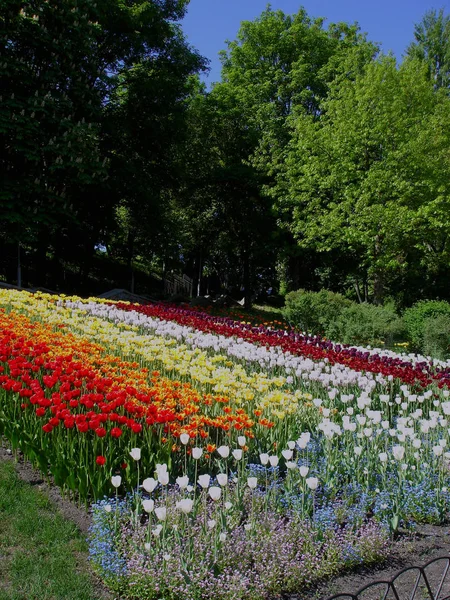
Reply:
x=184, y=438
x=237, y=454
x=224, y=451
x=222, y=537
x=215, y=492
x=383, y=457
x=312, y=483
x=116, y=480
x=163, y=478
x=242, y=440
x=161, y=513
x=211, y=523
x=147, y=546
x=197, y=453
x=287, y=454
x=157, y=530
x=204, y=480
x=222, y=479
x=304, y=440
x=185, y=505
x=304, y=471
x=228, y=505
x=291, y=465
x=148, y=505
x=149, y=484
x=252, y=482
x=273, y=460
x=107, y=508
x=398, y=452
x=291, y=445
x=438, y=450
x=358, y=450
x=182, y=482
x=264, y=458
x=135, y=453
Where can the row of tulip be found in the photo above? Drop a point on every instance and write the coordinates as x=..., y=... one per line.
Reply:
x=314, y=447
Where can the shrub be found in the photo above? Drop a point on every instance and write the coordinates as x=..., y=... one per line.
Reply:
x=415, y=317
x=366, y=324
x=436, y=337
x=314, y=311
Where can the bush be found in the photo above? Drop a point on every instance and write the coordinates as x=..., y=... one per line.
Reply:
x=436, y=337
x=366, y=324
x=415, y=320
x=313, y=312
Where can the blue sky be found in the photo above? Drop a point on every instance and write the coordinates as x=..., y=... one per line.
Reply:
x=209, y=23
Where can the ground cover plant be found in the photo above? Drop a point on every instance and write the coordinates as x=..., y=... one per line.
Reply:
x=222, y=458
x=43, y=556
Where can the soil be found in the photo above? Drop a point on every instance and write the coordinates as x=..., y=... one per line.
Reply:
x=427, y=543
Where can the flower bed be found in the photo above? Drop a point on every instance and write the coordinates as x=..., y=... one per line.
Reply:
x=237, y=462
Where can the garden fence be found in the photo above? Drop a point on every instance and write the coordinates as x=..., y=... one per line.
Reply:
x=428, y=582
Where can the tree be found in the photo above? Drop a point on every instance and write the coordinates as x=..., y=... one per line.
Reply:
x=369, y=175
x=432, y=46
x=62, y=65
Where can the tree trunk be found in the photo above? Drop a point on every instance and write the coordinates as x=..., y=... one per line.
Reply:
x=246, y=278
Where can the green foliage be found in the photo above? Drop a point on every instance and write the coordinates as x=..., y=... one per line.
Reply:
x=436, y=336
x=366, y=324
x=314, y=312
x=417, y=327
x=359, y=179
x=432, y=46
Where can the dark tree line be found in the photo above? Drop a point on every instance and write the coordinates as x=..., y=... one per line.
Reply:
x=315, y=162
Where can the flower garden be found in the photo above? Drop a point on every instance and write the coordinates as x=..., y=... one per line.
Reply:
x=221, y=459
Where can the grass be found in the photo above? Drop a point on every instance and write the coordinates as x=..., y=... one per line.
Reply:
x=42, y=556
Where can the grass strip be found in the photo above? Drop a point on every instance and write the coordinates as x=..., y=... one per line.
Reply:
x=42, y=556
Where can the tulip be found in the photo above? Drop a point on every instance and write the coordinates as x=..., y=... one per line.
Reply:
x=287, y=454
x=252, y=482
x=211, y=523
x=224, y=451
x=215, y=492
x=304, y=471
x=304, y=440
x=398, y=452
x=196, y=453
x=291, y=445
x=182, y=482
x=161, y=513
x=135, y=454
x=163, y=478
x=147, y=546
x=148, y=505
x=157, y=529
x=312, y=483
x=273, y=460
x=108, y=508
x=185, y=505
x=116, y=480
x=184, y=438
x=228, y=505
x=242, y=440
x=222, y=537
x=291, y=465
x=383, y=457
x=204, y=480
x=237, y=454
x=149, y=484
x=222, y=479
x=264, y=458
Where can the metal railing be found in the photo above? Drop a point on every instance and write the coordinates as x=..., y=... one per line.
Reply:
x=429, y=582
